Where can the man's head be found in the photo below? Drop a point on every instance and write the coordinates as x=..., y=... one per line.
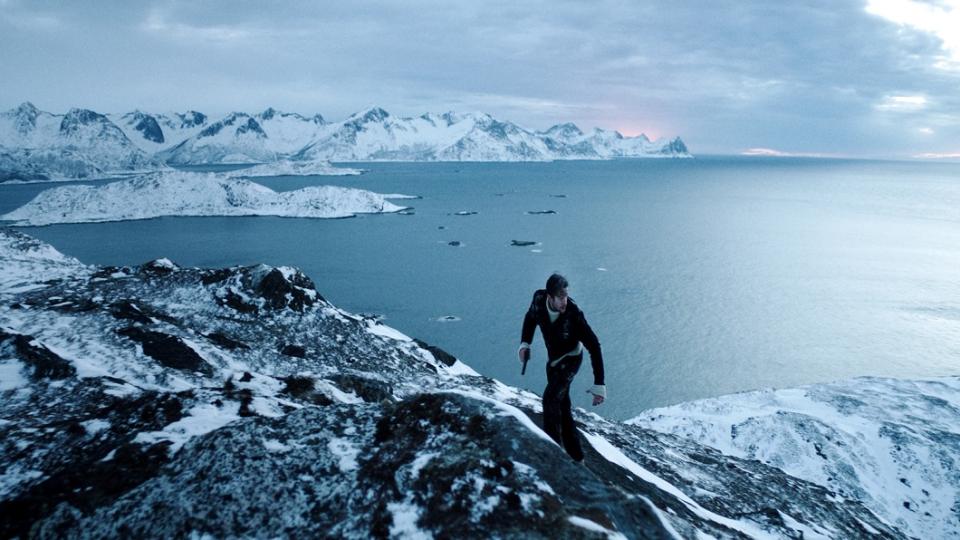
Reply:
x=557, y=292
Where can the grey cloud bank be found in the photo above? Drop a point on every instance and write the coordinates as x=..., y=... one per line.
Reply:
x=828, y=78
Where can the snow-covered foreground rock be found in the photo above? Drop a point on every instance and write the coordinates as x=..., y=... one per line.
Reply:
x=293, y=168
x=892, y=444
x=192, y=194
x=159, y=401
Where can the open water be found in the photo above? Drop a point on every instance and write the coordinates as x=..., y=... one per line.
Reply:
x=701, y=277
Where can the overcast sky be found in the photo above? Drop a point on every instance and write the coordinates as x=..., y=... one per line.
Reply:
x=867, y=78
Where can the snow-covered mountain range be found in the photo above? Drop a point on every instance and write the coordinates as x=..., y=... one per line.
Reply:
x=163, y=401
x=37, y=145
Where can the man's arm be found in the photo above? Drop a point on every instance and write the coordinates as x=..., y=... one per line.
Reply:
x=590, y=341
x=526, y=333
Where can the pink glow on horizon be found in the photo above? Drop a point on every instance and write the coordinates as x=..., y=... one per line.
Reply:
x=631, y=131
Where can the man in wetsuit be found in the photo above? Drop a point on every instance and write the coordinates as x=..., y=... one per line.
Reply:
x=565, y=332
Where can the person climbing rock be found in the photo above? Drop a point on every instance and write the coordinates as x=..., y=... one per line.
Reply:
x=565, y=333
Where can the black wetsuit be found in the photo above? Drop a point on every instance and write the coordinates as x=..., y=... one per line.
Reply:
x=561, y=337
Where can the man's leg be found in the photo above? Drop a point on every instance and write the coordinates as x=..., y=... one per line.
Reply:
x=552, y=398
x=571, y=438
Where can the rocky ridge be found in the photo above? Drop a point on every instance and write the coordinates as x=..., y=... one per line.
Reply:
x=162, y=401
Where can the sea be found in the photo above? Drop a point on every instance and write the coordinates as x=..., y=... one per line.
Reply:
x=701, y=277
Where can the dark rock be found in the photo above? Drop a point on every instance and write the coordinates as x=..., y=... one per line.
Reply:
x=226, y=342
x=231, y=299
x=246, y=398
x=297, y=385
x=81, y=471
x=126, y=309
x=44, y=362
x=464, y=213
x=454, y=243
x=522, y=243
x=438, y=353
x=148, y=126
x=474, y=451
x=107, y=272
x=247, y=377
x=541, y=212
x=303, y=388
x=296, y=292
x=294, y=350
x=83, y=487
x=157, y=267
x=370, y=390
x=169, y=350
x=209, y=277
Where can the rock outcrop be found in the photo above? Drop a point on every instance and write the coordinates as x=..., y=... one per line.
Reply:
x=365, y=433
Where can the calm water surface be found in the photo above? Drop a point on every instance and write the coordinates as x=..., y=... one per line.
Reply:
x=701, y=277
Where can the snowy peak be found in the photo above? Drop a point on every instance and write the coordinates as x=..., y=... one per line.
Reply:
x=146, y=125
x=77, y=119
x=237, y=138
x=373, y=114
x=25, y=108
x=191, y=119
x=271, y=113
x=268, y=114
x=497, y=129
x=565, y=131
x=676, y=146
x=446, y=119
x=244, y=124
x=24, y=117
x=93, y=131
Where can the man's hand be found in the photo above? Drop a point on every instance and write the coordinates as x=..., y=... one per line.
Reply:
x=599, y=393
x=524, y=354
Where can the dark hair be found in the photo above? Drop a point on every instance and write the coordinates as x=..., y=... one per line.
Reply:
x=555, y=283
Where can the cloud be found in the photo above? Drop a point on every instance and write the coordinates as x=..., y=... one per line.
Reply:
x=902, y=103
x=157, y=23
x=22, y=18
x=941, y=20
x=815, y=77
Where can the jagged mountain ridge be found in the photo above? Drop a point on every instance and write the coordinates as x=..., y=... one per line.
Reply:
x=138, y=140
x=239, y=402
x=36, y=145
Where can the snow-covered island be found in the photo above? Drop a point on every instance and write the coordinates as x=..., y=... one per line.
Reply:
x=163, y=401
x=287, y=167
x=37, y=146
x=179, y=193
